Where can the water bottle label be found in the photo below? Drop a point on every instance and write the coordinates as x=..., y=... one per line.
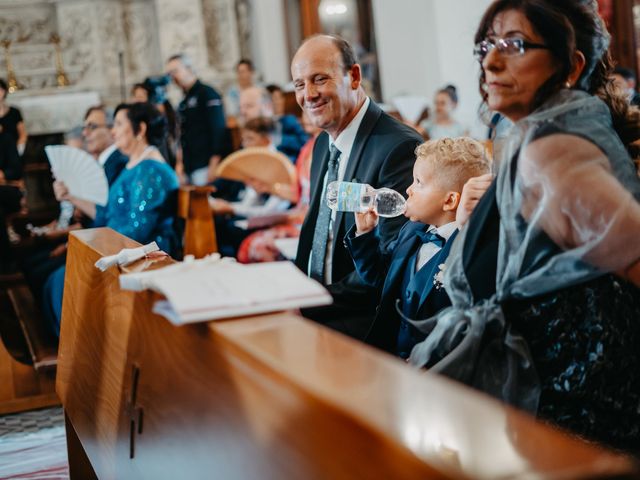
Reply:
x=349, y=195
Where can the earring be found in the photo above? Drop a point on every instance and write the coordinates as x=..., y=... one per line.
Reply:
x=567, y=84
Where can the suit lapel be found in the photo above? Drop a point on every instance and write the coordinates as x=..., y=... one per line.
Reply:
x=366, y=126
x=475, y=223
x=433, y=268
x=319, y=167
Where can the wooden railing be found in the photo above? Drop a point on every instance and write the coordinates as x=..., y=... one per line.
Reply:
x=272, y=397
x=199, y=229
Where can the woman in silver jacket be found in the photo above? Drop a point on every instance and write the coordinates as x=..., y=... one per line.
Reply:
x=544, y=277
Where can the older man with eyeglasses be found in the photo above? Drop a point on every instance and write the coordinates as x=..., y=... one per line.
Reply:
x=41, y=263
x=96, y=132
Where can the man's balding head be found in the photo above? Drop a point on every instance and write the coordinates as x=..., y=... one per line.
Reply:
x=327, y=82
x=254, y=102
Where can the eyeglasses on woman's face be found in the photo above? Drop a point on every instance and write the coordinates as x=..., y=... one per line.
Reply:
x=509, y=47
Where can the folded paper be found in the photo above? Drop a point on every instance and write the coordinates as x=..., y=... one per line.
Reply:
x=126, y=256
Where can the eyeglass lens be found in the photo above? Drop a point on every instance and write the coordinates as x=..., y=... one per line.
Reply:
x=92, y=126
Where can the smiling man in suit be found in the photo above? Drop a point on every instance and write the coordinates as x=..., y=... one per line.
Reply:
x=360, y=143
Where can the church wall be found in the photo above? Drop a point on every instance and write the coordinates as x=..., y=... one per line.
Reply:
x=422, y=44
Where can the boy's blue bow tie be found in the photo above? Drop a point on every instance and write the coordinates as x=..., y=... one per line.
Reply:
x=430, y=237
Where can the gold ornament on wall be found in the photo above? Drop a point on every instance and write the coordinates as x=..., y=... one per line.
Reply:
x=61, y=76
x=12, y=81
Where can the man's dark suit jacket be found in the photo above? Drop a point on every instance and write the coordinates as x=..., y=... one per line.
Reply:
x=382, y=156
x=480, y=251
x=114, y=165
x=385, y=268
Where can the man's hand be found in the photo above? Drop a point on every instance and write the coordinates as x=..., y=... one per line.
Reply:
x=61, y=191
x=259, y=186
x=59, y=250
x=219, y=206
x=472, y=192
x=365, y=222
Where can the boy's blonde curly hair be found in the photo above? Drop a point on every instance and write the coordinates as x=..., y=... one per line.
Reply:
x=454, y=160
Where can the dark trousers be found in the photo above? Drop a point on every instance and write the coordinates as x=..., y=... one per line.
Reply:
x=9, y=203
x=37, y=266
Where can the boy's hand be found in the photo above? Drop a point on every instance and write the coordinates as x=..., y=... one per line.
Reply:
x=472, y=192
x=365, y=222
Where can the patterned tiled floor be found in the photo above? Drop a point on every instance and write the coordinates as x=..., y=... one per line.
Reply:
x=29, y=422
x=33, y=446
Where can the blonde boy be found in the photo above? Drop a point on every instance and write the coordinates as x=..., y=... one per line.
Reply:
x=409, y=270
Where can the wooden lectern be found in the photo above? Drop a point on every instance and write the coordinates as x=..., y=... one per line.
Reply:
x=272, y=397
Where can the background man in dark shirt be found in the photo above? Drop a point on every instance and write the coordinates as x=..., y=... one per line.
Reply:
x=203, y=134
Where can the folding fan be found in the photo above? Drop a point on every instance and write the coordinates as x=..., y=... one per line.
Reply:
x=80, y=172
x=261, y=164
x=410, y=107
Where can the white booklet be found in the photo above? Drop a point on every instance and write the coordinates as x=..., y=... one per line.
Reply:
x=211, y=289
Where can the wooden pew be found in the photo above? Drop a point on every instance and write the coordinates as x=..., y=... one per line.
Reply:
x=42, y=345
x=27, y=366
x=199, y=231
x=272, y=397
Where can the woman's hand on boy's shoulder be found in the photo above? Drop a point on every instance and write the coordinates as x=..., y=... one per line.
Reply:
x=472, y=192
x=366, y=221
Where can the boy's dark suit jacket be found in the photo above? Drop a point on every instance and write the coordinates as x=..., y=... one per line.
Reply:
x=382, y=156
x=385, y=268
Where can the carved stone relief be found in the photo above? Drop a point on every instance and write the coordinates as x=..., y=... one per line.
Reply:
x=243, y=15
x=30, y=24
x=143, y=53
x=40, y=58
x=110, y=37
x=93, y=33
x=181, y=29
x=223, y=50
x=78, y=33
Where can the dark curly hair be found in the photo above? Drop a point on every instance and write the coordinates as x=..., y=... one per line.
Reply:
x=568, y=26
x=139, y=113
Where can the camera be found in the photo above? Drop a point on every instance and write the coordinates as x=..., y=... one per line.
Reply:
x=157, y=88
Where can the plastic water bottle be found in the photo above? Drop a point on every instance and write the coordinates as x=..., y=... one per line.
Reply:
x=66, y=212
x=359, y=197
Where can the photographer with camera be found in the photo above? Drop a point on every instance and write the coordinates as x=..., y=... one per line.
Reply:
x=203, y=133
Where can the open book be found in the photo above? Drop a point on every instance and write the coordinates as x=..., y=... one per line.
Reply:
x=211, y=289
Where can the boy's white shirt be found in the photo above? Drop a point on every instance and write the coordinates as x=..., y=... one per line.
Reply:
x=428, y=250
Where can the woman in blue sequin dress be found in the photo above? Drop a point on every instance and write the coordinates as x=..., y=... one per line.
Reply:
x=142, y=200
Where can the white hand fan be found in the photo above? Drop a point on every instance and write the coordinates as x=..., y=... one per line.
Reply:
x=410, y=107
x=80, y=172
